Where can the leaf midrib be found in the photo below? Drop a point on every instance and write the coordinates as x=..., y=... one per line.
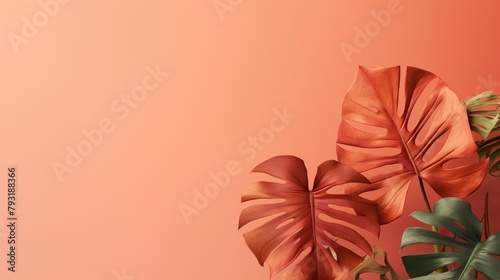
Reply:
x=403, y=140
x=312, y=203
x=407, y=149
x=467, y=267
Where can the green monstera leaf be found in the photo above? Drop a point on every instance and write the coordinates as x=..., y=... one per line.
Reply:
x=483, y=112
x=466, y=254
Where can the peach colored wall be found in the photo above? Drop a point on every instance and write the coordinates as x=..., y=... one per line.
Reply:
x=170, y=91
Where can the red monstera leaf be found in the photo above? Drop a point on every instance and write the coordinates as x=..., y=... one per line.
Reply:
x=440, y=132
x=304, y=233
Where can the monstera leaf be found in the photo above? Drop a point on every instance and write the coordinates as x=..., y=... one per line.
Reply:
x=483, y=113
x=316, y=224
x=467, y=252
x=441, y=133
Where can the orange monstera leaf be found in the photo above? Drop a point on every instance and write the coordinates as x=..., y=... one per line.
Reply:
x=304, y=234
x=438, y=134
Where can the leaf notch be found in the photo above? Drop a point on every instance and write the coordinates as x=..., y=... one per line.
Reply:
x=318, y=238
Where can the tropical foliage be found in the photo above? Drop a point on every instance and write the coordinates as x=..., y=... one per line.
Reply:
x=466, y=250
x=398, y=125
x=298, y=224
x=483, y=115
x=373, y=101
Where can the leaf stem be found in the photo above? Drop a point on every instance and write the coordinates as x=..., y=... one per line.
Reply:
x=427, y=204
x=486, y=218
x=429, y=209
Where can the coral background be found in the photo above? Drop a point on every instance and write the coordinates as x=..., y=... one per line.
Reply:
x=116, y=214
